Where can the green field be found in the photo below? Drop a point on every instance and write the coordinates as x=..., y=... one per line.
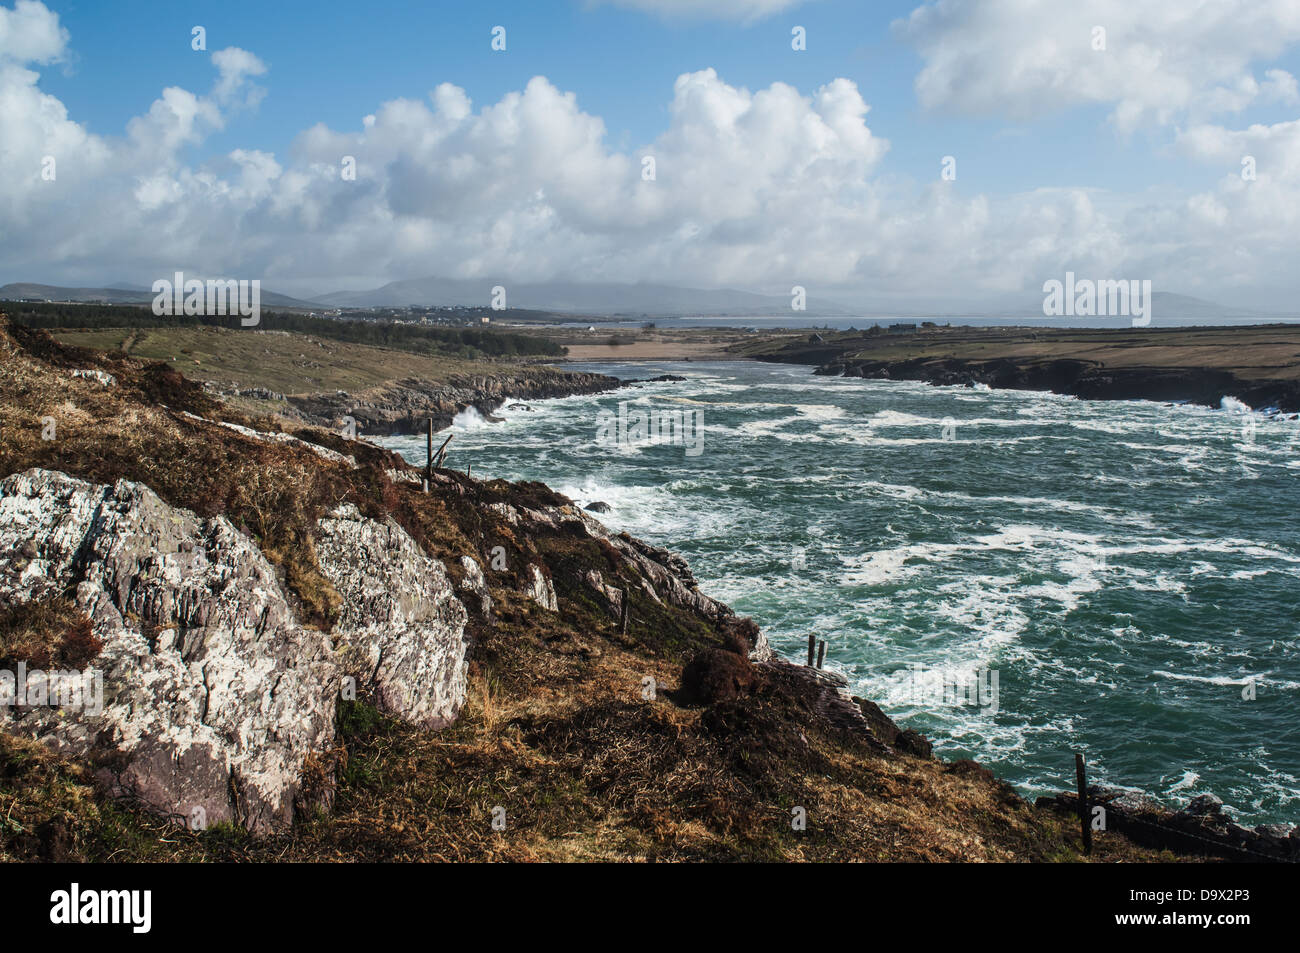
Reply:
x=284, y=362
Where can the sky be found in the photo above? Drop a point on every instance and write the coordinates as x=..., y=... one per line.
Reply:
x=1154, y=140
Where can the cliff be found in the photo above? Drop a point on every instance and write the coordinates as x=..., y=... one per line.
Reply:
x=306, y=656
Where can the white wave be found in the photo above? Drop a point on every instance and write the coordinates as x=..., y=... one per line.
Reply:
x=469, y=419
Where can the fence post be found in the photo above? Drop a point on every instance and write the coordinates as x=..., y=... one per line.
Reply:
x=1085, y=821
x=428, y=455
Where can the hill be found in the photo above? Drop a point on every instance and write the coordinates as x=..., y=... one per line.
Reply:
x=123, y=294
x=576, y=298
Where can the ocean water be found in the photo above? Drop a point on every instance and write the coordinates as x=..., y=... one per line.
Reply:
x=1120, y=578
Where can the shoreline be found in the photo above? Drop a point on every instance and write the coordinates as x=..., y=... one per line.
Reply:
x=1256, y=364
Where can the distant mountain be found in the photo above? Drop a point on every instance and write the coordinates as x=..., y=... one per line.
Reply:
x=576, y=297
x=18, y=290
x=1168, y=304
x=655, y=300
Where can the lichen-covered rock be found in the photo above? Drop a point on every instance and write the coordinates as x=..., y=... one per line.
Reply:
x=540, y=589
x=103, y=377
x=612, y=595
x=474, y=582
x=506, y=512
x=213, y=694
x=400, y=628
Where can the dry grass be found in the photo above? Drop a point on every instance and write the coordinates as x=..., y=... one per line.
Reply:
x=280, y=361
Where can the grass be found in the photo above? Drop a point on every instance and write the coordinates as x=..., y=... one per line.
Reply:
x=47, y=634
x=277, y=360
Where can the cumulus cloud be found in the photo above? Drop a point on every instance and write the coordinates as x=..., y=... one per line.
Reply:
x=235, y=66
x=1163, y=60
x=760, y=188
x=30, y=33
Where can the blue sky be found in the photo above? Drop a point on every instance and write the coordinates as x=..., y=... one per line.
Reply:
x=336, y=60
x=1129, y=151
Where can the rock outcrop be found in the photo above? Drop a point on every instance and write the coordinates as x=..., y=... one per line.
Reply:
x=540, y=589
x=1087, y=380
x=214, y=695
x=400, y=629
x=475, y=583
x=665, y=576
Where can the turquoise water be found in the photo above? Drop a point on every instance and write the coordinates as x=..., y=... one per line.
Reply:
x=1126, y=570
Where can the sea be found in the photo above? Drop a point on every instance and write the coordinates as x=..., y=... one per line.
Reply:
x=1018, y=575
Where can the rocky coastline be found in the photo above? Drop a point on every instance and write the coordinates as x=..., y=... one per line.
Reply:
x=1256, y=364
x=404, y=407
x=1089, y=381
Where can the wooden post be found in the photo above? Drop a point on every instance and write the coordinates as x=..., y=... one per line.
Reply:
x=1085, y=821
x=821, y=653
x=428, y=451
x=627, y=610
x=812, y=648
x=442, y=451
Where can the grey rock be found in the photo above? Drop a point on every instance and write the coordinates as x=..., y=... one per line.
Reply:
x=220, y=708
x=612, y=594
x=474, y=583
x=598, y=507
x=540, y=589
x=1203, y=805
x=103, y=377
x=1275, y=836
x=400, y=629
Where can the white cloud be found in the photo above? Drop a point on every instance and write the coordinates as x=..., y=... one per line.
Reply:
x=30, y=33
x=1164, y=60
x=235, y=66
x=760, y=188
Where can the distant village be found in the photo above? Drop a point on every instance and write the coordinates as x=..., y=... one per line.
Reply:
x=455, y=316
